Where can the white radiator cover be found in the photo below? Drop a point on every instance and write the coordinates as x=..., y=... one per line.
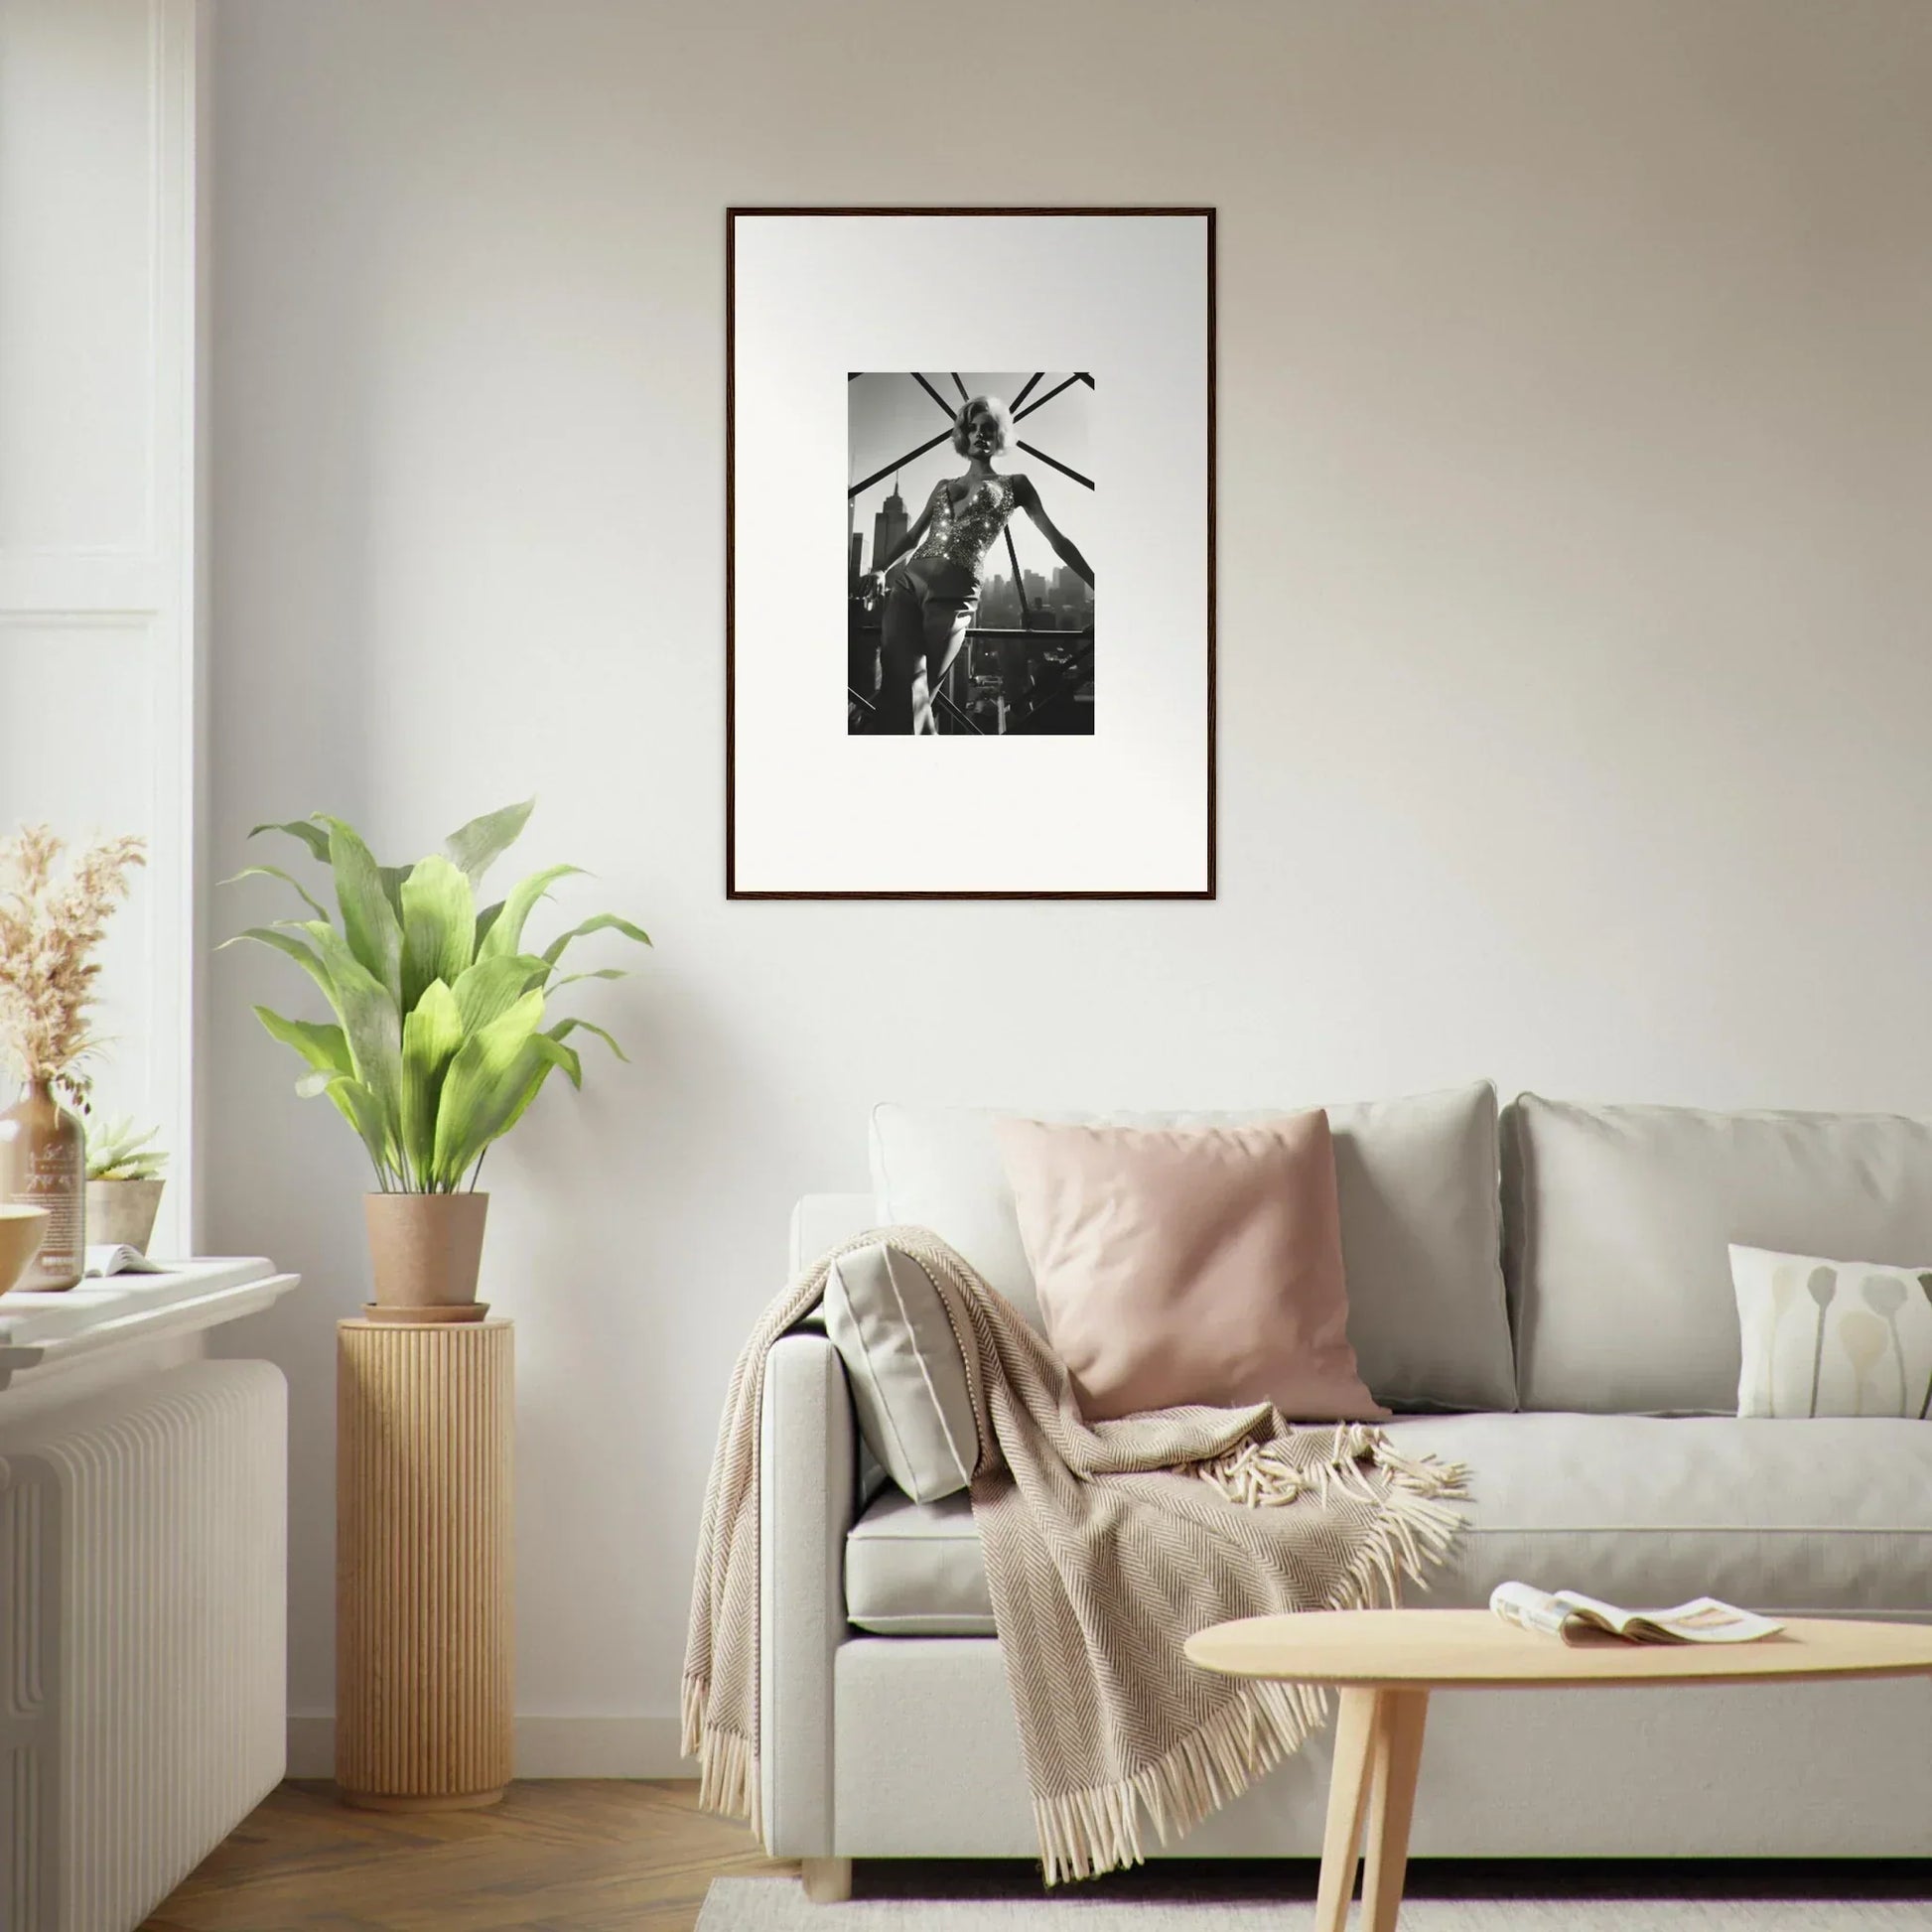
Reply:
x=143, y=1585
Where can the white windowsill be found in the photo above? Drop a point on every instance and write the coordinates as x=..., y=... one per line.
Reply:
x=49, y=1331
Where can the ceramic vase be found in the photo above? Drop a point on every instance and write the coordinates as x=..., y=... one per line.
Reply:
x=42, y=1164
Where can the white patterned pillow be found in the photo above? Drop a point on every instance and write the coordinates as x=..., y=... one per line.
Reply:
x=1832, y=1338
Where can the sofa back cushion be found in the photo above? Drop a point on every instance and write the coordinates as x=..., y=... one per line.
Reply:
x=1417, y=1183
x=822, y=1222
x=1619, y=1223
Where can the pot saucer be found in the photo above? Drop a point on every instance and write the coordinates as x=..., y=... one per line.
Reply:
x=453, y=1312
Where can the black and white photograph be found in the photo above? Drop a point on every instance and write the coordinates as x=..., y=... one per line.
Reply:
x=1066, y=433
x=970, y=607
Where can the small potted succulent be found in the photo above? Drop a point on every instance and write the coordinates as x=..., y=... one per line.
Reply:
x=441, y=1034
x=124, y=1184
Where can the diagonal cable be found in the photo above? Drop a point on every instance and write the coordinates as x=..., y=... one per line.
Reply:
x=1019, y=582
x=1048, y=397
x=1058, y=464
x=946, y=408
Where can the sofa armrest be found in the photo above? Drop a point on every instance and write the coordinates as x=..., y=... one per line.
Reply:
x=808, y=1453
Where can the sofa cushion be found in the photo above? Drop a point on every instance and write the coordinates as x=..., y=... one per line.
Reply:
x=1417, y=1183
x=909, y=1391
x=1620, y=1220
x=1825, y=1518
x=915, y=1569
x=1189, y=1265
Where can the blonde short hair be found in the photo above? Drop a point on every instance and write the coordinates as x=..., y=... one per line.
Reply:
x=990, y=406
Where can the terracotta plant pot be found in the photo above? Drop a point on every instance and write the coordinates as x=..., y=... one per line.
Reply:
x=120, y=1213
x=426, y=1249
x=21, y=1232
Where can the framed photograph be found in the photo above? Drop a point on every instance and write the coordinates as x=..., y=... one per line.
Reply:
x=1065, y=434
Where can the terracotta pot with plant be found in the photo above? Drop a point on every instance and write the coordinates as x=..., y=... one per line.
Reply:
x=124, y=1184
x=439, y=1041
x=53, y=920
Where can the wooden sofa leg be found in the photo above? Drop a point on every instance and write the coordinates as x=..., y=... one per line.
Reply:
x=828, y=1881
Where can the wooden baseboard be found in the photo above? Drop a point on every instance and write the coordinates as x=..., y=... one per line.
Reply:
x=546, y=1747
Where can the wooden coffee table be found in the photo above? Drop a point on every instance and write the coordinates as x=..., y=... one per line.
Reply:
x=1385, y=1662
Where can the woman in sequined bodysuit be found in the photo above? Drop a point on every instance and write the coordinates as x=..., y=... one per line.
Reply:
x=932, y=592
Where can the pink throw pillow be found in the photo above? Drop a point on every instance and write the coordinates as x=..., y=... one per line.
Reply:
x=1189, y=1265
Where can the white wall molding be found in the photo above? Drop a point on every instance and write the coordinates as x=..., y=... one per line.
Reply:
x=546, y=1747
x=100, y=297
x=106, y=579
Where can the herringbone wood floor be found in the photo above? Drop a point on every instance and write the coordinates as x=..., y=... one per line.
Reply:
x=562, y=1855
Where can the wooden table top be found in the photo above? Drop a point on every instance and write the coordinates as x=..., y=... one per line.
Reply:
x=1445, y=1649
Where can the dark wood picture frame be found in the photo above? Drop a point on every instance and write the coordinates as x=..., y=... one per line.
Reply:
x=733, y=891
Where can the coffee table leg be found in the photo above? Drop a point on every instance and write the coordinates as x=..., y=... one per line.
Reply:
x=1355, y=1733
x=1396, y=1757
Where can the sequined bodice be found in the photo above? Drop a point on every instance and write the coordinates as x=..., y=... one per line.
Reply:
x=962, y=536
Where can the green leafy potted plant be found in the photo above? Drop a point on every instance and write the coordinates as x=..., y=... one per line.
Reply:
x=439, y=1041
x=124, y=1184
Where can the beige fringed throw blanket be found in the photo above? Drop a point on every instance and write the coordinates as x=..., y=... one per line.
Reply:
x=1107, y=1545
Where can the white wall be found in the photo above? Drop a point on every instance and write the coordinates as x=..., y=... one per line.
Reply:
x=1577, y=455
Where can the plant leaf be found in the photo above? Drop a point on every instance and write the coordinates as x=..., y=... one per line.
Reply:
x=314, y=904
x=493, y=986
x=565, y=1028
x=431, y=1036
x=326, y=1048
x=392, y=878
x=369, y=923
x=539, y=1056
x=482, y=1086
x=368, y=1017
x=475, y=847
x=439, y=926
x=506, y=933
x=604, y=922
x=304, y=956
x=487, y=919
x=307, y=830
x=360, y=1108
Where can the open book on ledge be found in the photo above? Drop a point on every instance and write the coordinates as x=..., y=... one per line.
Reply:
x=119, y=1259
x=1576, y=1618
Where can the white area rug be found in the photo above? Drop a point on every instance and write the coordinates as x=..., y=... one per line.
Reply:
x=780, y=1905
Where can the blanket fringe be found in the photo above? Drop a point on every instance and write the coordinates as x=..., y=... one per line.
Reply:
x=1417, y=1525
x=728, y=1765
x=1100, y=1829
x=1414, y=1494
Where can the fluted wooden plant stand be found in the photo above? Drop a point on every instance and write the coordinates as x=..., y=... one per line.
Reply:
x=423, y=1585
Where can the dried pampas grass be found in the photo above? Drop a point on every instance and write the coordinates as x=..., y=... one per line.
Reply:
x=51, y=925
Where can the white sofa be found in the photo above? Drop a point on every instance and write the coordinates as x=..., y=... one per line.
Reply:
x=1550, y=1304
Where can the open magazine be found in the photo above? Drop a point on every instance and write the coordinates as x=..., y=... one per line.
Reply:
x=1576, y=1618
